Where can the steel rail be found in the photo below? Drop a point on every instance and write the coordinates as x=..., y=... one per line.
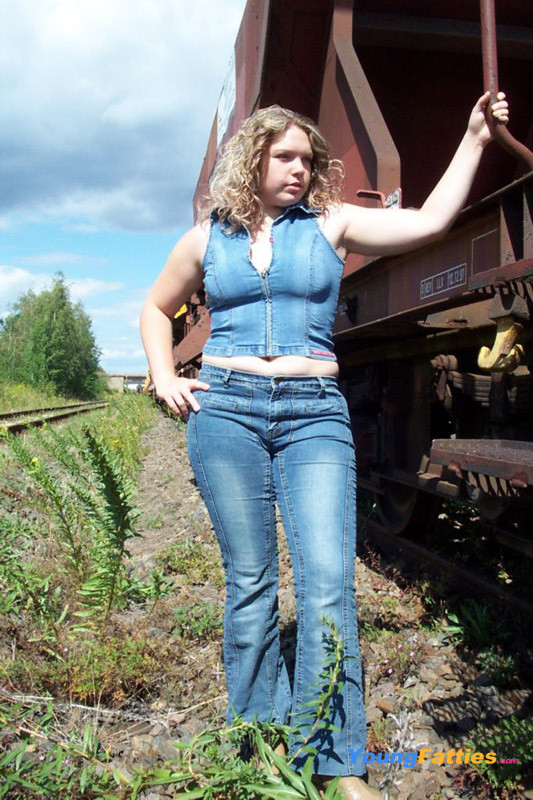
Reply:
x=22, y=424
x=25, y=412
x=461, y=576
x=490, y=81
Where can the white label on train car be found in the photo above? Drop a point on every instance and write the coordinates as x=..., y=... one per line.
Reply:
x=226, y=103
x=443, y=281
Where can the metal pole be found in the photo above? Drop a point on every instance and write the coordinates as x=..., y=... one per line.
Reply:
x=490, y=82
x=488, y=42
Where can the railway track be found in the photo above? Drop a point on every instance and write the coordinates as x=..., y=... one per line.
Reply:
x=17, y=421
x=464, y=579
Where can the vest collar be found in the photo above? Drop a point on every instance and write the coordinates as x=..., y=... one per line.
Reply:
x=289, y=209
x=297, y=207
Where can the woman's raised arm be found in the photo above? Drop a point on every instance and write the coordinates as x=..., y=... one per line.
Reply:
x=181, y=276
x=388, y=231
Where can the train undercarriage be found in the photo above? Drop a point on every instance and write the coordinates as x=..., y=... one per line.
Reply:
x=441, y=396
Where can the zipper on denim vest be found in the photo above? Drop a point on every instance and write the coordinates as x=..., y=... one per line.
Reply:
x=268, y=308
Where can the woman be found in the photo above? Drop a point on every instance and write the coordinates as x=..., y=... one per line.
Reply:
x=269, y=421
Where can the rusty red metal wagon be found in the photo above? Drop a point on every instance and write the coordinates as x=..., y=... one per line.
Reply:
x=434, y=345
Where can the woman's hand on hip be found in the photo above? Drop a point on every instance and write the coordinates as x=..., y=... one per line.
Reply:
x=178, y=393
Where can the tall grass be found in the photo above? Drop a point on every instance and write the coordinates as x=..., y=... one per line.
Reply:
x=79, y=483
x=21, y=397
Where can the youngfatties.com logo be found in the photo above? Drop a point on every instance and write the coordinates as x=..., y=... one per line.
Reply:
x=437, y=757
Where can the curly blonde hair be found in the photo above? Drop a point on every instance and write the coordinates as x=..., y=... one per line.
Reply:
x=236, y=182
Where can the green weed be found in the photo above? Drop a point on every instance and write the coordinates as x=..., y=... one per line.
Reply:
x=369, y=632
x=502, y=667
x=194, y=560
x=88, y=671
x=379, y=736
x=510, y=738
x=36, y=762
x=473, y=625
x=155, y=522
x=198, y=621
x=400, y=663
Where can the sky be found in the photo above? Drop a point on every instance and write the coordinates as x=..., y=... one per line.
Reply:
x=105, y=112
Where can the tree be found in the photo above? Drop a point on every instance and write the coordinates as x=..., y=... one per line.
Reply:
x=47, y=339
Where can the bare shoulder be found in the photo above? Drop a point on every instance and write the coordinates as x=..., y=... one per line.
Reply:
x=193, y=244
x=183, y=272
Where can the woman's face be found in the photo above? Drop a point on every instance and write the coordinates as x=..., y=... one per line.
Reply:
x=286, y=170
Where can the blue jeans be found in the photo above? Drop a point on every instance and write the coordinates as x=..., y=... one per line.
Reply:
x=258, y=439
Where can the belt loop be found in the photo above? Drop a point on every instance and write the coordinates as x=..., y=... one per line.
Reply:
x=226, y=378
x=322, y=385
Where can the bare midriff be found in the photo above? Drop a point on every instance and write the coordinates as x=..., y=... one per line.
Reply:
x=275, y=365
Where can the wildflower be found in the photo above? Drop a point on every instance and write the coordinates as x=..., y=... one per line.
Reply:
x=65, y=649
x=400, y=647
x=41, y=758
x=411, y=654
x=389, y=672
x=35, y=461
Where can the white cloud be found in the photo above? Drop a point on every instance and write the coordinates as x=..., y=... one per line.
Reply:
x=15, y=281
x=107, y=107
x=81, y=288
x=125, y=311
x=119, y=352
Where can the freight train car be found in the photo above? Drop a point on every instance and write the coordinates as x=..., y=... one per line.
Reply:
x=434, y=345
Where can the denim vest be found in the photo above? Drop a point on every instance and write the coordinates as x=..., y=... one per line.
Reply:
x=287, y=310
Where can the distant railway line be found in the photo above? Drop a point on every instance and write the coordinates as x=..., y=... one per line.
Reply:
x=18, y=421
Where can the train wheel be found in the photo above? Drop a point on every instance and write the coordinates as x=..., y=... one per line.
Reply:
x=407, y=511
x=491, y=508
